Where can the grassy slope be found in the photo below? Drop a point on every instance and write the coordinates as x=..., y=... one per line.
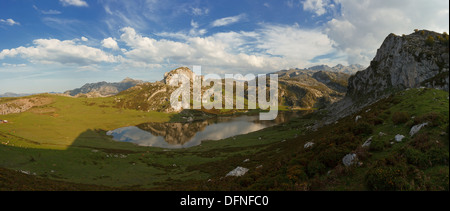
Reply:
x=278, y=160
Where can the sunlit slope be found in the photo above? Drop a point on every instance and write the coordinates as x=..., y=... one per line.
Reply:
x=58, y=124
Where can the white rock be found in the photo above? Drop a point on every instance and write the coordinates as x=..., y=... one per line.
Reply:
x=367, y=142
x=381, y=134
x=237, y=172
x=109, y=133
x=416, y=128
x=358, y=118
x=399, y=137
x=349, y=159
x=308, y=145
x=246, y=160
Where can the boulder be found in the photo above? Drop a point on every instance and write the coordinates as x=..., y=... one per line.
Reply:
x=416, y=128
x=367, y=142
x=237, y=172
x=399, y=137
x=349, y=159
x=308, y=145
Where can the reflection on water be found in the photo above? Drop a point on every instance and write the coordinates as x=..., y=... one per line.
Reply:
x=184, y=135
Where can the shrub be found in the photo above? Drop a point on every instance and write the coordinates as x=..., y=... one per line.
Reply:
x=416, y=157
x=422, y=142
x=438, y=156
x=386, y=178
x=429, y=41
x=400, y=117
x=362, y=128
x=296, y=173
x=315, y=168
x=377, y=145
x=434, y=119
x=332, y=156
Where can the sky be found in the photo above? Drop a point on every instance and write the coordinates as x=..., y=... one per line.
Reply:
x=58, y=45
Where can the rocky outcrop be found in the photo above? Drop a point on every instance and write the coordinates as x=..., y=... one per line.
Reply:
x=408, y=61
x=404, y=62
x=22, y=105
x=103, y=89
x=182, y=70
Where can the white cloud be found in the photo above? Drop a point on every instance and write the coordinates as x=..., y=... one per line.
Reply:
x=228, y=20
x=84, y=39
x=361, y=26
x=67, y=52
x=9, y=22
x=77, y=3
x=267, y=49
x=316, y=6
x=110, y=43
x=199, y=11
x=47, y=12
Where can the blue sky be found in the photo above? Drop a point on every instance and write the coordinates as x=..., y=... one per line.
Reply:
x=56, y=45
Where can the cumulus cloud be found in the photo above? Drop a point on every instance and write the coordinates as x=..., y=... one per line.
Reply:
x=53, y=51
x=361, y=26
x=77, y=3
x=9, y=22
x=228, y=20
x=316, y=6
x=270, y=48
x=110, y=43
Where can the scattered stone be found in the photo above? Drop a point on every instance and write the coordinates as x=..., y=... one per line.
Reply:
x=416, y=128
x=258, y=167
x=259, y=138
x=237, y=172
x=367, y=142
x=381, y=134
x=392, y=143
x=368, y=110
x=349, y=159
x=308, y=145
x=358, y=118
x=399, y=137
x=246, y=160
x=442, y=133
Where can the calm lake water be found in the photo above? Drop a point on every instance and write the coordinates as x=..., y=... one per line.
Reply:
x=184, y=135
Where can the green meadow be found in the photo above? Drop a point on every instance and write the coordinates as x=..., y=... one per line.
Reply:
x=63, y=146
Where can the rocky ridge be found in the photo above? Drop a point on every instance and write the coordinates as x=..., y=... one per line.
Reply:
x=420, y=59
x=103, y=89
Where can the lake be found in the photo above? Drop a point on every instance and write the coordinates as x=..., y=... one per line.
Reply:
x=185, y=135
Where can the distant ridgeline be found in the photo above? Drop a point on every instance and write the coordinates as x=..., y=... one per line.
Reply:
x=103, y=89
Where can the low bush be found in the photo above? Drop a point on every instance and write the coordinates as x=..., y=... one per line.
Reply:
x=362, y=128
x=315, y=168
x=400, y=117
x=377, y=145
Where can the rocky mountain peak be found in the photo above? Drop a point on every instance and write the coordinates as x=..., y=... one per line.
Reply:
x=408, y=61
x=181, y=70
x=420, y=59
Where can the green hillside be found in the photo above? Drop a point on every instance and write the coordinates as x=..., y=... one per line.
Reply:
x=81, y=157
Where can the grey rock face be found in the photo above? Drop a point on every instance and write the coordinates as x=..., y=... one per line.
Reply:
x=403, y=62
